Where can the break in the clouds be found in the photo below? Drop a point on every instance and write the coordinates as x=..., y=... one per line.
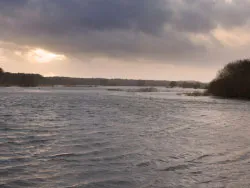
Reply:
x=198, y=33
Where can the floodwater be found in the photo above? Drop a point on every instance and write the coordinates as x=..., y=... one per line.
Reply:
x=94, y=138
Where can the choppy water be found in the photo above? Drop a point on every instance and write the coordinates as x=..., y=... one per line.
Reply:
x=79, y=137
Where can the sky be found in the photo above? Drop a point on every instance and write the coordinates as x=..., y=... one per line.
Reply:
x=134, y=39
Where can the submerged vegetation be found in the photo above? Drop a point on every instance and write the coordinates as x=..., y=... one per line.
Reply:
x=146, y=90
x=233, y=81
x=196, y=93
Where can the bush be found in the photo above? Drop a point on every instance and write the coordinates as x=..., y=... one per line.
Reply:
x=233, y=81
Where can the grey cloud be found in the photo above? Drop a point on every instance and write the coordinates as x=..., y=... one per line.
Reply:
x=137, y=28
x=202, y=16
x=140, y=15
x=233, y=14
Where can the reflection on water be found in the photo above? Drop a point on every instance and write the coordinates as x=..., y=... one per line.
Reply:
x=90, y=137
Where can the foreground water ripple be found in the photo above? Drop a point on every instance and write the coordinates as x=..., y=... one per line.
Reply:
x=78, y=137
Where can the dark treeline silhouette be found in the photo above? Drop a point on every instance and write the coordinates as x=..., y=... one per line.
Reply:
x=19, y=79
x=233, y=81
x=118, y=82
x=33, y=80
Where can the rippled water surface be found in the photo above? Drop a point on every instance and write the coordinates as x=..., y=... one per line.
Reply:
x=94, y=138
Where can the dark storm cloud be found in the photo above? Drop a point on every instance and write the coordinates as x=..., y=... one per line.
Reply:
x=201, y=16
x=233, y=14
x=11, y=3
x=138, y=28
x=143, y=15
x=83, y=15
x=8, y=7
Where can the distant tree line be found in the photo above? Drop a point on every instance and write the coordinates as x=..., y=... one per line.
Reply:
x=118, y=82
x=233, y=81
x=33, y=80
x=19, y=79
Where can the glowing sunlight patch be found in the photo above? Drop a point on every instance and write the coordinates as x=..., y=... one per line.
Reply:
x=43, y=56
x=235, y=37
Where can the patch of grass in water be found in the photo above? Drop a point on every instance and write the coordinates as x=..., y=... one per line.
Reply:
x=149, y=89
x=195, y=93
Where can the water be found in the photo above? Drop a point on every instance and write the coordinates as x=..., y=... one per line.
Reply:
x=90, y=137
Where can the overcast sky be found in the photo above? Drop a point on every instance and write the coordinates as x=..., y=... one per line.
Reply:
x=141, y=39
